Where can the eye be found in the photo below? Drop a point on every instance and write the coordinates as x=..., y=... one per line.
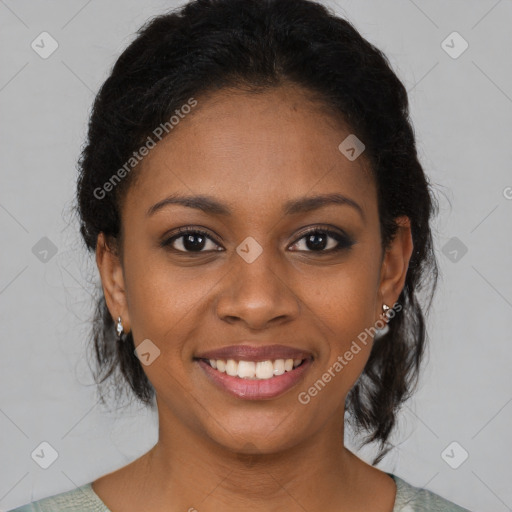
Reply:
x=321, y=240
x=190, y=240
x=317, y=240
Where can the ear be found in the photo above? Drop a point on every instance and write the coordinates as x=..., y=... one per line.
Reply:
x=395, y=264
x=112, y=279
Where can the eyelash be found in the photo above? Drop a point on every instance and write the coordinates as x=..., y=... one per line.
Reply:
x=344, y=242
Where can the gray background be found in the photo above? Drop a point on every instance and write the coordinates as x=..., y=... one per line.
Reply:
x=461, y=109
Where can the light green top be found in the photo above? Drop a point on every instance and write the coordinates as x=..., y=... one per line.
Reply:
x=84, y=499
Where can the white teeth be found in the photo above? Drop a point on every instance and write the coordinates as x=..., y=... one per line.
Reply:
x=231, y=367
x=246, y=369
x=279, y=367
x=262, y=370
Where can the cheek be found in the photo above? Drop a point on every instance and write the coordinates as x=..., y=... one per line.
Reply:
x=165, y=304
x=161, y=298
x=345, y=298
x=345, y=306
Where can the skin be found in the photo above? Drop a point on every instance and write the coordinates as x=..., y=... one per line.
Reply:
x=215, y=451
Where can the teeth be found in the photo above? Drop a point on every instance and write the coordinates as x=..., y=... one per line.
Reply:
x=231, y=367
x=261, y=370
x=279, y=367
x=246, y=369
x=264, y=369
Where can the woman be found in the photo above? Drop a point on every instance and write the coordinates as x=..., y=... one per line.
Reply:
x=260, y=220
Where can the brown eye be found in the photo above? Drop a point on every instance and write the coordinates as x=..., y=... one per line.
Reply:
x=324, y=240
x=191, y=240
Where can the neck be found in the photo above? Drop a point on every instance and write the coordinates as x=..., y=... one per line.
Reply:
x=191, y=471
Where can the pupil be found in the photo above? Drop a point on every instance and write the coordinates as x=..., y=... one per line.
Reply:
x=190, y=246
x=314, y=243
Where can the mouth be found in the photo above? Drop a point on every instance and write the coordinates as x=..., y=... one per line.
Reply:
x=254, y=370
x=255, y=380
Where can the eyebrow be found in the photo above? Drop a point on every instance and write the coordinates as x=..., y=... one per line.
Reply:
x=211, y=206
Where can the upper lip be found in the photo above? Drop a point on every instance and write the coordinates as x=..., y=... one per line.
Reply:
x=255, y=353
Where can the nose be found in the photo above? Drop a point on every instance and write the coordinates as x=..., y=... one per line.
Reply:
x=258, y=294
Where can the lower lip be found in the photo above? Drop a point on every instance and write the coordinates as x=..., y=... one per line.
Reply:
x=254, y=389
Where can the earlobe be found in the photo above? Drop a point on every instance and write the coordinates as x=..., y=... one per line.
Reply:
x=112, y=279
x=396, y=262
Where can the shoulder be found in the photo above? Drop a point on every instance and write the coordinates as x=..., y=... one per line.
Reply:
x=81, y=499
x=415, y=499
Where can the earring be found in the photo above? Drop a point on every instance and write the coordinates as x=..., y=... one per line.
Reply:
x=119, y=328
x=385, y=329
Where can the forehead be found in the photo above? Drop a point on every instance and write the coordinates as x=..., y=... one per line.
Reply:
x=244, y=147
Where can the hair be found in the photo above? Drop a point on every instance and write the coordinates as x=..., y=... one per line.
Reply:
x=257, y=45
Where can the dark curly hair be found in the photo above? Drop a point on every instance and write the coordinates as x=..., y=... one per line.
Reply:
x=257, y=45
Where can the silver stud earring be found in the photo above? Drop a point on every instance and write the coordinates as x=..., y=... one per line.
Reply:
x=385, y=329
x=119, y=328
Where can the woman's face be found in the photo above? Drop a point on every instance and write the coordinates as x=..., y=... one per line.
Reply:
x=256, y=278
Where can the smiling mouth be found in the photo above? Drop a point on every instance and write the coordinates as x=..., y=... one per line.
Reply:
x=252, y=370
